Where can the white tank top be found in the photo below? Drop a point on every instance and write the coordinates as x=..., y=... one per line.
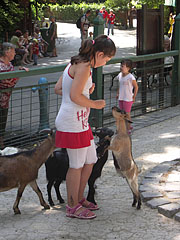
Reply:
x=72, y=117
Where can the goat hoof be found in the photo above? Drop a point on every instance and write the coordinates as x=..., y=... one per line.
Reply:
x=61, y=201
x=138, y=206
x=51, y=203
x=46, y=206
x=17, y=211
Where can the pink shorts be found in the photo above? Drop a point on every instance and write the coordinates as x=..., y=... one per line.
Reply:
x=126, y=106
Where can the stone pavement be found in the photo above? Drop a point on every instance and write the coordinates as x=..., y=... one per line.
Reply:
x=156, y=148
x=160, y=189
x=156, y=144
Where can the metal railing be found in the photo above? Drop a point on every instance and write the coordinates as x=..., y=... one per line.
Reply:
x=30, y=110
x=154, y=92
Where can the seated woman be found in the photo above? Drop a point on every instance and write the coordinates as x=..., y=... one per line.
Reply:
x=20, y=49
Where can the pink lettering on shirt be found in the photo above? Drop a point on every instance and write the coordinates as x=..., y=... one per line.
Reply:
x=83, y=117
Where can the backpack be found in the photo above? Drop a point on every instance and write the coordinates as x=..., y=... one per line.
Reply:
x=78, y=22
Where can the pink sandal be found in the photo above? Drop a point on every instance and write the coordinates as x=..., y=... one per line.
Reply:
x=91, y=206
x=83, y=214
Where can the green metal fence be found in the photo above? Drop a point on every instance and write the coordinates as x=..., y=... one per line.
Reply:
x=154, y=91
x=28, y=115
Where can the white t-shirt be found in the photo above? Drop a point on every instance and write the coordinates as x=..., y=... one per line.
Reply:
x=126, y=87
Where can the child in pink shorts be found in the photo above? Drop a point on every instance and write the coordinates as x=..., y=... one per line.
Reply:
x=128, y=88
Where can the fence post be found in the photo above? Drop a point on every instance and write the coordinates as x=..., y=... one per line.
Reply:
x=96, y=116
x=175, y=90
x=43, y=101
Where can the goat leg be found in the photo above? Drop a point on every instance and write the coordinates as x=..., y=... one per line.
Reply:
x=56, y=186
x=39, y=193
x=91, y=192
x=18, y=197
x=49, y=187
x=134, y=200
x=133, y=184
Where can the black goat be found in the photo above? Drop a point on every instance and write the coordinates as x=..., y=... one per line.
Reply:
x=57, y=166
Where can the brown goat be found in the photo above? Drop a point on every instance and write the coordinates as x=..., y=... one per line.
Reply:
x=20, y=169
x=121, y=147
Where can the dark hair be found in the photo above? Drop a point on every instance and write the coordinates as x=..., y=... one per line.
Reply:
x=128, y=63
x=97, y=11
x=51, y=17
x=18, y=33
x=26, y=31
x=89, y=48
x=88, y=11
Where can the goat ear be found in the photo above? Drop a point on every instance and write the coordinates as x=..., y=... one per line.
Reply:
x=127, y=118
x=53, y=131
x=47, y=131
x=96, y=132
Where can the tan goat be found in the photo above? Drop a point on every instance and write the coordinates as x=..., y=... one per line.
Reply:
x=121, y=147
x=20, y=169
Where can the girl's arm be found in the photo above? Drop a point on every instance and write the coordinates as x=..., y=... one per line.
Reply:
x=58, y=86
x=135, y=86
x=117, y=94
x=81, y=75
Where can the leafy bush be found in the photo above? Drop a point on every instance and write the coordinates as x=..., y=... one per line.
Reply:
x=71, y=13
x=10, y=17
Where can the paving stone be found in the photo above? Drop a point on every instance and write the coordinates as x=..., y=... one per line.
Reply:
x=174, y=176
x=161, y=168
x=154, y=203
x=174, y=186
x=173, y=195
x=146, y=196
x=170, y=163
x=178, y=168
x=175, y=161
x=153, y=175
x=150, y=187
x=149, y=180
x=169, y=210
x=177, y=217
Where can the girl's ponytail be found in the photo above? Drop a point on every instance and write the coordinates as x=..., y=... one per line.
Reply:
x=89, y=47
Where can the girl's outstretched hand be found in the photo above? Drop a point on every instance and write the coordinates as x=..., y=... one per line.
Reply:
x=99, y=104
x=91, y=90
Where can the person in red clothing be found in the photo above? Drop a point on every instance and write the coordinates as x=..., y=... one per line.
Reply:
x=35, y=49
x=105, y=15
x=110, y=22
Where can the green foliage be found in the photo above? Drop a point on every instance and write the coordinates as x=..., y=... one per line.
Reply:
x=10, y=15
x=151, y=3
x=121, y=4
x=73, y=11
x=70, y=13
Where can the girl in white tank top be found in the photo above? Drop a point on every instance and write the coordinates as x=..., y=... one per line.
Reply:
x=73, y=131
